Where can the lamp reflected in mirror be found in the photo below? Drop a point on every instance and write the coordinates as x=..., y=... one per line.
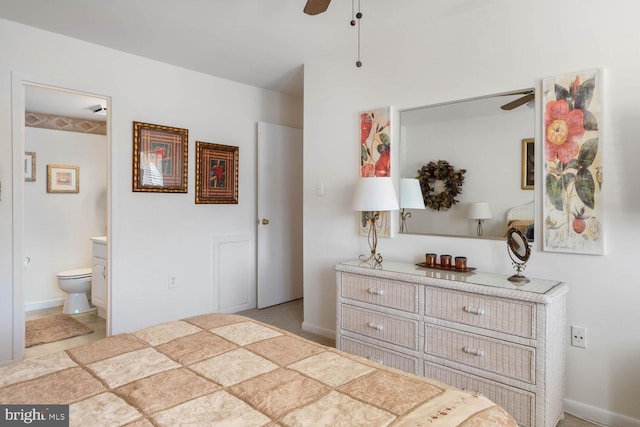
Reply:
x=410, y=198
x=479, y=211
x=372, y=196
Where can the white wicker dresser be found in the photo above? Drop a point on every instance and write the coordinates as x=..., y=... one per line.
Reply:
x=476, y=331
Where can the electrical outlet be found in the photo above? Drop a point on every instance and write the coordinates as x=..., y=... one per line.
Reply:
x=578, y=336
x=172, y=282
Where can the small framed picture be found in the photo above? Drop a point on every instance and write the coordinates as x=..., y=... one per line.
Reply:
x=528, y=163
x=159, y=158
x=29, y=166
x=216, y=173
x=63, y=179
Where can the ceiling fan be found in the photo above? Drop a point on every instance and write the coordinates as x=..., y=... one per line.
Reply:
x=315, y=7
x=528, y=95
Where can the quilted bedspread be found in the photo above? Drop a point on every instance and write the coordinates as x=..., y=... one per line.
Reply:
x=228, y=370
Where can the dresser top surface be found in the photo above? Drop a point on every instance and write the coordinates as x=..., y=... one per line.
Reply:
x=536, y=286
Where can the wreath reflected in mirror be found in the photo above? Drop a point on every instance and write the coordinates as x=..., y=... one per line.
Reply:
x=440, y=184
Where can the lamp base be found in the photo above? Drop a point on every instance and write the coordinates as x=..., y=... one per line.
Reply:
x=374, y=258
x=403, y=221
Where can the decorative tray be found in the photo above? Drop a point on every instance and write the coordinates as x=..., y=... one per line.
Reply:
x=451, y=268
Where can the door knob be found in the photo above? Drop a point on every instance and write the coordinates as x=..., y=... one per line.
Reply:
x=265, y=221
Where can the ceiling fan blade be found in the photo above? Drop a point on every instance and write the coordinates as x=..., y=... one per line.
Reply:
x=314, y=7
x=518, y=102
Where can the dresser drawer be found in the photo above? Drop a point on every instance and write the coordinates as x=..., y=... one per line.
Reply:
x=380, y=355
x=512, y=360
x=392, y=329
x=380, y=292
x=497, y=314
x=518, y=403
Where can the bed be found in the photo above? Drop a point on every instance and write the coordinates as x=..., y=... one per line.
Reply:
x=224, y=369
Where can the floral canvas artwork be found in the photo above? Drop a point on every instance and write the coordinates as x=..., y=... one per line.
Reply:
x=375, y=143
x=375, y=158
x=573, y=163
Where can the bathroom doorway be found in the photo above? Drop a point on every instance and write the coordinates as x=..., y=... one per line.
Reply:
x=64, y=134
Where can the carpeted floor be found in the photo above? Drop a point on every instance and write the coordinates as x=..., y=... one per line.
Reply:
x=287, y=316
x=53, y=328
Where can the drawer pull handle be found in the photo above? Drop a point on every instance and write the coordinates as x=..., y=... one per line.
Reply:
x=377, y=327
x=473, y=310
x=374, y=291
x=473, y=351
x=378, y=361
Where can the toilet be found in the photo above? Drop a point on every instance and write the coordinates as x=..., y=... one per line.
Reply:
x=77, y=285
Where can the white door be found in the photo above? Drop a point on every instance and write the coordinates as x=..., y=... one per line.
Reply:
x=279, y=214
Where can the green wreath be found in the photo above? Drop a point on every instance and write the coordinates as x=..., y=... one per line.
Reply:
x=451, y=178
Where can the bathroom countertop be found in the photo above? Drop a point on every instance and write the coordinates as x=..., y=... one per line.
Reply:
x=101, y=239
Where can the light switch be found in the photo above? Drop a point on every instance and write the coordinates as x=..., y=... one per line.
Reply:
x=320, y=188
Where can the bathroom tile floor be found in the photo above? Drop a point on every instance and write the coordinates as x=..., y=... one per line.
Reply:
x=89, y=319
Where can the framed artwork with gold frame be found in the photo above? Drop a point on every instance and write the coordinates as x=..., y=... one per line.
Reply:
x=216, y=173
x=63, y=179
x=29, y=166
x=160, y=158
x=528, y=163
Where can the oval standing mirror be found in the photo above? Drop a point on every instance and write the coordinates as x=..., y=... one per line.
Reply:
x=485, y=140
x=518, y=247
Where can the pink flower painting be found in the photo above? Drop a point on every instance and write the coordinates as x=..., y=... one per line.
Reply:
x=573, y=163
x=375, y=143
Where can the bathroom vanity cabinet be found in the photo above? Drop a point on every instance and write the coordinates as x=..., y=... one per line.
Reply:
x=476, y=331
x=99, y=275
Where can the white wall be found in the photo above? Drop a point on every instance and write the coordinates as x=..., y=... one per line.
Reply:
x=458, y=49
x=153, y=235
x=57, y=226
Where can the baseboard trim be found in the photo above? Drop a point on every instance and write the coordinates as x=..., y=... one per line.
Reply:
x=329, y=333
x=599, y=415
x=39, y=305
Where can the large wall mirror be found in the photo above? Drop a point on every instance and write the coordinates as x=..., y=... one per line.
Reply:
x=485, y=140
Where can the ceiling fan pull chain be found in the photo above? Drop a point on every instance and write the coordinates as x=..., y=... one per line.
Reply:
x=353, y=22
x=353, y=13
x=359, y=17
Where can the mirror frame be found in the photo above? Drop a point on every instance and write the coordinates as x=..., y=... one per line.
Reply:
x=515, y=242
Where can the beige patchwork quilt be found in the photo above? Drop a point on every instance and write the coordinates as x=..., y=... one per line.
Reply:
x=228, y=370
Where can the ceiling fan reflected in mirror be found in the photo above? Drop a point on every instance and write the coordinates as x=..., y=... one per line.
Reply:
x=527, y=97
x=315, y=7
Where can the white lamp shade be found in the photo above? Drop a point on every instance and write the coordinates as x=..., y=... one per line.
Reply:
x=411, y=194
x=375, y=194
x=479, y=210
